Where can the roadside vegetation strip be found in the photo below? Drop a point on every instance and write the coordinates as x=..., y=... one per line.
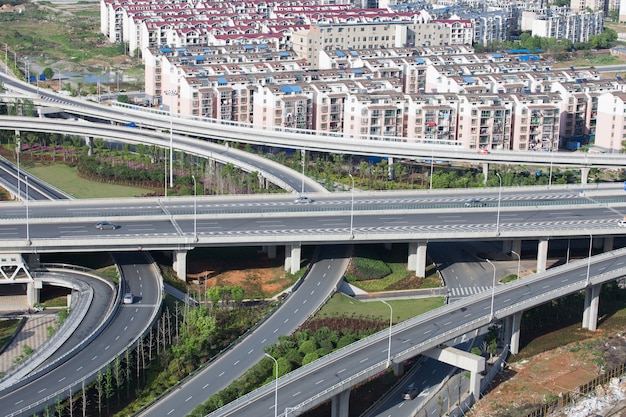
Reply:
x=8, y=329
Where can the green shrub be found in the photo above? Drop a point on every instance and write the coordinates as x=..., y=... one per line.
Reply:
x=367, y=269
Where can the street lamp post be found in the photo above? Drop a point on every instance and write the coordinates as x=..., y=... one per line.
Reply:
x=551, y=160
x=171, y=93
x=352, y=209
x=276, y=386
x=589, y=258
x=519, y=262
x=26, y=201
x=18, y=150
x=303, y=164
x=499, y=202
x=195, y=207
x=493, y=289
x=390, y=324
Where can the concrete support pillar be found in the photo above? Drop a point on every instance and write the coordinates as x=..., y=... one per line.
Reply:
x=398, y=368
x=262, y=181
x=33, y=260
x=485, y=172
x=292, y=257
x=89, y=143
x=340, y=405
x=390, y=173
x=507, y=245
x=271, y=251
x=584, y=175
x=179, y=263
x=516, y=245
x=542, y=255
x=387, y=246
x=608, y=244
x=417, y=258
x=474, y=385
x=514, y=322
x=590, y=312
x=32, y=292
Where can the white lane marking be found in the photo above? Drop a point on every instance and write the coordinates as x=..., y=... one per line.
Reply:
x=319, y=382
x=171, y=411
x=235, y=363
x=251, y=350
x=343, y=370
x=222, y=373
x=205, y=385
x=188, y=398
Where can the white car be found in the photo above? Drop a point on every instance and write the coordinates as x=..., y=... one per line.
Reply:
x=622, y=223
x=303, y=200
x=128, y=298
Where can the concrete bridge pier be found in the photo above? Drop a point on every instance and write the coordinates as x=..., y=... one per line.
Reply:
x=270, y=251
x=417, y=258
x=262, y=181
x=390, y=172
x=485, y=172
x=590, y=312
x=542, y=255
x=89, y=143
x=32, y=292
x=584, y=175
x=179, y=263
x=473, y=363
x=292, y=257
x=608, y=244
x=511, y=331
x=509, y=246
x=340, y=404
x=398, y=368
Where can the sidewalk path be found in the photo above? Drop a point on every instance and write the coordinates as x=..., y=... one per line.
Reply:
x=33, y=334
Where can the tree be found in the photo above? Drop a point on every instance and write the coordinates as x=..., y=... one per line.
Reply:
x=49, y=73
x=123, y=98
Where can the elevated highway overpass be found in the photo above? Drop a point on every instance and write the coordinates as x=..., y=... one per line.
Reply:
x=181, y=224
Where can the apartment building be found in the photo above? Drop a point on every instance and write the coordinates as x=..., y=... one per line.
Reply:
x=611, y=121
x=563, y=23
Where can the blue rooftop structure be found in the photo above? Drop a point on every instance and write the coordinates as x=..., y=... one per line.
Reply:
x=199, y=58
x=354, y=53
x=283, y=54
x=468, y=80
x=222, y=81
x=340, y=54
x=166, y=50
x=357, y=70
x=420, y=60
x=248, y=47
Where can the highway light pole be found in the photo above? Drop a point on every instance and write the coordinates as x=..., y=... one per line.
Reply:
x=390, y=324
x=171, y=93
x=352, y=209
x=26, y=201
x=276, y=386
x=303, y=163
x=519, y=262
x=589, y=258
x=18, y=150
x=499, y=202
x=195, y=207
x=493, y=289
x=551, y=159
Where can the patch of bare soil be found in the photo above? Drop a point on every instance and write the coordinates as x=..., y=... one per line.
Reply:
x=526, y=384
x=261, y=277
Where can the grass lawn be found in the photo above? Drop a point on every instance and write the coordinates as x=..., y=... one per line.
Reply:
x=66, y=179
x=341, y=305
x=7, y=329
